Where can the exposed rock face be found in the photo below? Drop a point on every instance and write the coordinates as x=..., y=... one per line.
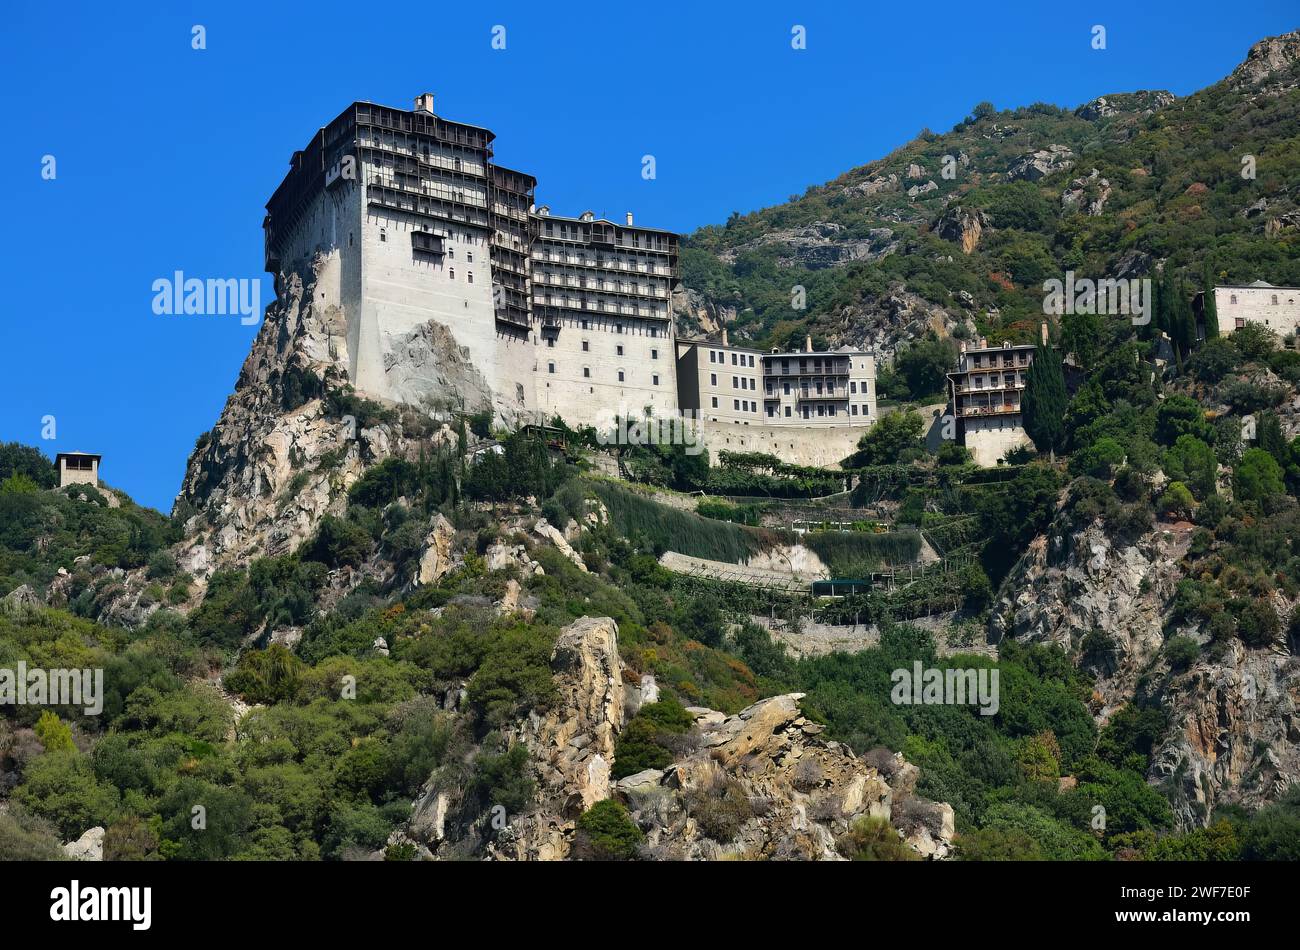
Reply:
x=89, y=847
x=797, y=792
x=1070, y=584
x=1234, y=721
x=436, y=558
x=278, y=460
x=1041, y=163
x=885, y=322
x=1141, y=103
x=963, y=226
x=802, y=793
x=822, y=244
x=697, y=314
x=1088, y=194
x=1236, y=732
x=573, y=743
x=1271, y=57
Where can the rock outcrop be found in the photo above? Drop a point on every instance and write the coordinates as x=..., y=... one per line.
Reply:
x=964, y=226
x=1041, y=163
x=786, y=792
x=1234, y=716
x=284, y=451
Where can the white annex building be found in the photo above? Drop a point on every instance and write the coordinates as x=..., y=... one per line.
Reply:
x=1277, y=308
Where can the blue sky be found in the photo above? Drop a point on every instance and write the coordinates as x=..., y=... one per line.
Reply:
x=166, y=155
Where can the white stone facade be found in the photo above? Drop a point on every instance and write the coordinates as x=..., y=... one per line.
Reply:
x=1277, y=308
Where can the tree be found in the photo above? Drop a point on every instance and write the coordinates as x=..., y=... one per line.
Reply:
x=1257, y=477
x=888, y=439
x=1192, y=462
x=607, y=832
x=1081, y=336
x=1045, y=400
x=1209, y=307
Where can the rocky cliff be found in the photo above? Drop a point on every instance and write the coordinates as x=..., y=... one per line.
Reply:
x=1234, y=715
x=791, y=794
x=292, y=437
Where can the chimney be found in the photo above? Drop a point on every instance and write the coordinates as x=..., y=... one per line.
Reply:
x=807, y=343
x=724, y=329
x=1043, y=332
x=629, y=219
x=424, y=103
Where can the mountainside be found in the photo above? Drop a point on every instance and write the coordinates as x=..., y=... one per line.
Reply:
x=956, y=232
x=381, y=632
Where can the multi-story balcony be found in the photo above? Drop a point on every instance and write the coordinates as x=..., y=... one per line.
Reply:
x=1006, y=385
x=991, y=407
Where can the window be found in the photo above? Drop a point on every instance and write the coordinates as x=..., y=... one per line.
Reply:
x=585, y=326
x=855, y=410
x=469, y=257
x=654, y=379
x=735, y=403
x=864, y=410
x=713, y=379
x=586, y=346
x=713, y=357
x=451, y=253
x=620, y=376
x=619, y=349
x=654, y=354
x=383, y=236
x=550, y=367
x=715, y=402
x=787, y=412
x=469, y=275
x=735, y=382
x=586, y=372
x=550, y=341
x=853, y=387
x=751, y=360
x=618, y=328
x=451, y=272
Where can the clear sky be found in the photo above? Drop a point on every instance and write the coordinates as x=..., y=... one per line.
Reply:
x=165, y=155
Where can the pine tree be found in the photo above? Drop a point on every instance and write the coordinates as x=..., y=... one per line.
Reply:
x=1045, y=400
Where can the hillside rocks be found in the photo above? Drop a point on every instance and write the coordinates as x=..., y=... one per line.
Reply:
x=1041, y=163
x=279, y=458
x=571, y=744
x=1272, y=57
x=1088, y=194
x=694, y=314
x=1234, y=733
x=89, y=847
x=1141, y=104
x=821, y=244
x=963, y=226
x=436, y=557
x=790, y=794
x=1069, y=584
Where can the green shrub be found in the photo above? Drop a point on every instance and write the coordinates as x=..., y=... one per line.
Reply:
x=607, y=833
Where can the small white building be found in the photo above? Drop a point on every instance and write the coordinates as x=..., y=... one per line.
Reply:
x=78, y=468
x=1277, y=308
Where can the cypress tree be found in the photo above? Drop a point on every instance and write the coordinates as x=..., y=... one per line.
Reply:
x=1045, y=400
x=1209, y=309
